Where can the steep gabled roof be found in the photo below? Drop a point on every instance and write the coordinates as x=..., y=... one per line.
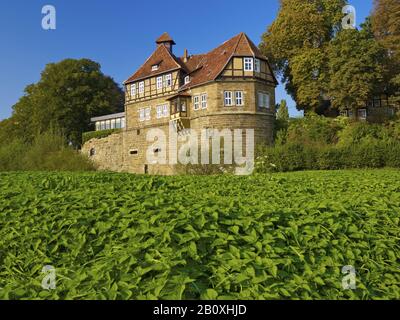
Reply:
x=213, y=63
x=161, y=57
x=202, y=67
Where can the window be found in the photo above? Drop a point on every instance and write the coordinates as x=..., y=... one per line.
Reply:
x=98, y=126
x=148, y=113
x=133, y=90
x=159, y=112
x=157, y=150
x=362, y=114
x=239, y=98
x=118, y=123
x=162, y=111
x=92, y=152
x=204, y=101
x=165, y=110
x=142, y=115
x=183, y=106
x=196, y=102
x=263, y=100
x=228, y=98
x=154, y=67
x=257, y=65
x=103, y=125
x=108, y=125
x=133, y=152
x=168, y=80
x=248, y=64
x=112, y=123
x=187, y=79
x=141, y=87
x=122, y=122
x=159, y=82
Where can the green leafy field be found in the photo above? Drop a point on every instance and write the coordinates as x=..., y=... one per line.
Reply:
x=280, y=236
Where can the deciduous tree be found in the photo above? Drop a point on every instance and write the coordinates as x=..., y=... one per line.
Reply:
x=68, y=94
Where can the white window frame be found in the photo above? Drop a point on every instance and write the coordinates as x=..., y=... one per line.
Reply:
x=142, y=116
x=187, y=79
x=239, y=98
x=141, y=87
x=133, y=90
x=165, y=111
x=203, y=100
x=248, y=64
x=148, y=113
x=154, y=67
x=159, y=112
x=257, y=65
x=168, y=80
x=159, y=83
x=228, y=98
x=264, y=100
x=196, y=103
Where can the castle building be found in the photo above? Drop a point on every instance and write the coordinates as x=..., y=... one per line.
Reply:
x=230, y=87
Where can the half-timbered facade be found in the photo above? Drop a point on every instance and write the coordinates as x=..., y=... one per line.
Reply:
x=230, y=87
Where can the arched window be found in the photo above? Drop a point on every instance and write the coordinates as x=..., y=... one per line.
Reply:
x=92, y=152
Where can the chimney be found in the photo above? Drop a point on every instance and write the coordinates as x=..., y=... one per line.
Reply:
x=185, y=56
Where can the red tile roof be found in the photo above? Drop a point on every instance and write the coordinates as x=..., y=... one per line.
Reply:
x=203, y=67
x=161, y=57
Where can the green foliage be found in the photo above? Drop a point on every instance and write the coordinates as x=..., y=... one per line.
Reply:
x=47, y=152
x=385, y=25
x=98, y=134
x=119, y=236
x=68, y=94
x=356, y=69
x=314, y=129
x=370, y=153
x=296, y=44
x=324, y=66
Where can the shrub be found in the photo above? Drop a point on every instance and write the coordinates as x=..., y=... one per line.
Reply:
x=297, y=157
x=47, y=152
x=314, y=130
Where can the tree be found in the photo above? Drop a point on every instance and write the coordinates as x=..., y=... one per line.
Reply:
x=296, y=45
x=355, y=68
x=68, y=94
x=283, y=111
x=385, y=21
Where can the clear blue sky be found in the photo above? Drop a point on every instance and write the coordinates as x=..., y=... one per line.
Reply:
x=120, y=34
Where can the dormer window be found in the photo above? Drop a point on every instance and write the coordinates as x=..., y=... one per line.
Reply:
x=187, y=79
x=154, y=67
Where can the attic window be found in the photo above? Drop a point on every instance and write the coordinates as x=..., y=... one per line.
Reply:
x=154, y=67
x=187, y=79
